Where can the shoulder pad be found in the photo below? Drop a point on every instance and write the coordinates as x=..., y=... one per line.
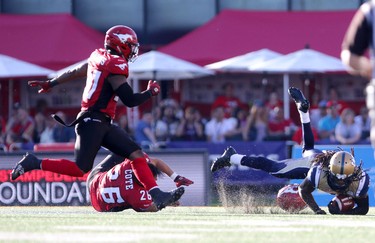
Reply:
x=103, y=61
x=314, y=174
x=364, y=185
x=117, y=65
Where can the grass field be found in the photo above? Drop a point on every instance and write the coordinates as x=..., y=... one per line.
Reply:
x=180, y=224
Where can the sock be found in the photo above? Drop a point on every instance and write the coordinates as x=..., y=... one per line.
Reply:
x=61, y=166
x=236, y=159
x=305, y=117
x=155, y=193
x=308, y=136
x=143, y=173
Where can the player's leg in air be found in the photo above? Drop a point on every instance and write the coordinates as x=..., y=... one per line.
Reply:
x=289, y=168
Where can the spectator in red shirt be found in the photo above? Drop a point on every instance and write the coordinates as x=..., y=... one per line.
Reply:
x=280, y=128
x=273, y=101
x=19, y=130
x=334, y=97
x=228, y=100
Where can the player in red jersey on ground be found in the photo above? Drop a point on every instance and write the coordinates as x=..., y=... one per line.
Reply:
x=113, y=186
x=106, y=75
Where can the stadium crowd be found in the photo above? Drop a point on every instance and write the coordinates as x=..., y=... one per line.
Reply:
x=230, y=119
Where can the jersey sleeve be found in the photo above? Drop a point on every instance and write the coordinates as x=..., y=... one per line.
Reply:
x=363, y=186
x=313, y=176
x=101, y=60
x=117, y=65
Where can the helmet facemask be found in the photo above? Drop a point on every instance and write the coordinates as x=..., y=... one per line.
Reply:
x=134, y=48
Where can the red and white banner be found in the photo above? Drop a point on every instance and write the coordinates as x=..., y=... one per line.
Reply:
x=42, y=188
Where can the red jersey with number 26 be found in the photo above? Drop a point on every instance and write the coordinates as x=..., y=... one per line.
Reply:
x=117, y=188
x=98, y=94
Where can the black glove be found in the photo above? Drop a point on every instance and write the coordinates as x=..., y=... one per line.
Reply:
x=333, y=208
x=320, y=211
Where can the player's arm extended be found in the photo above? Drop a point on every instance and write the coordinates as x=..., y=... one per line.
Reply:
x=73, y=74
x=126, y=93
x=305, y=190
x=361, y=208
x=164, y=167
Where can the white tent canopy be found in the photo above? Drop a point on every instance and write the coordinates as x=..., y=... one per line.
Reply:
x=243, y=62
x=305, y=60
x=161, y=66
x=14, y=68
x=11, y=68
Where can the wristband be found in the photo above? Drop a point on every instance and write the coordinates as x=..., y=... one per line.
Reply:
x=150, y=92
x=173, y=176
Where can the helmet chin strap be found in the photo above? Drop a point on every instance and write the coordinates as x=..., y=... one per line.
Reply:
x=120, y=53
x=332, y=183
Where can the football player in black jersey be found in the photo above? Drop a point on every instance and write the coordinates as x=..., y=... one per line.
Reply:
x=319, y=169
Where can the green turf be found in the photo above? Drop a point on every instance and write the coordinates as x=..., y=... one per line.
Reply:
x=180, y=224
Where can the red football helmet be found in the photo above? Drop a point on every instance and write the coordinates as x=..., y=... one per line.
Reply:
x=123, y=40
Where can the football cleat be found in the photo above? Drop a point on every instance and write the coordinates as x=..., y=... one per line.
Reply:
x=27, y=163
x=164, y=199
x=300, y=100
x=223, y=160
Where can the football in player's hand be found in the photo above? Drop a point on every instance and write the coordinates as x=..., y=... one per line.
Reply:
x=344, y=202
x=289, y=200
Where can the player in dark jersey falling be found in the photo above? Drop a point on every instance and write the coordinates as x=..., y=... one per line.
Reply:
x=106, y=73
x=289, y=168
x=113, y=186
x=318, y=168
